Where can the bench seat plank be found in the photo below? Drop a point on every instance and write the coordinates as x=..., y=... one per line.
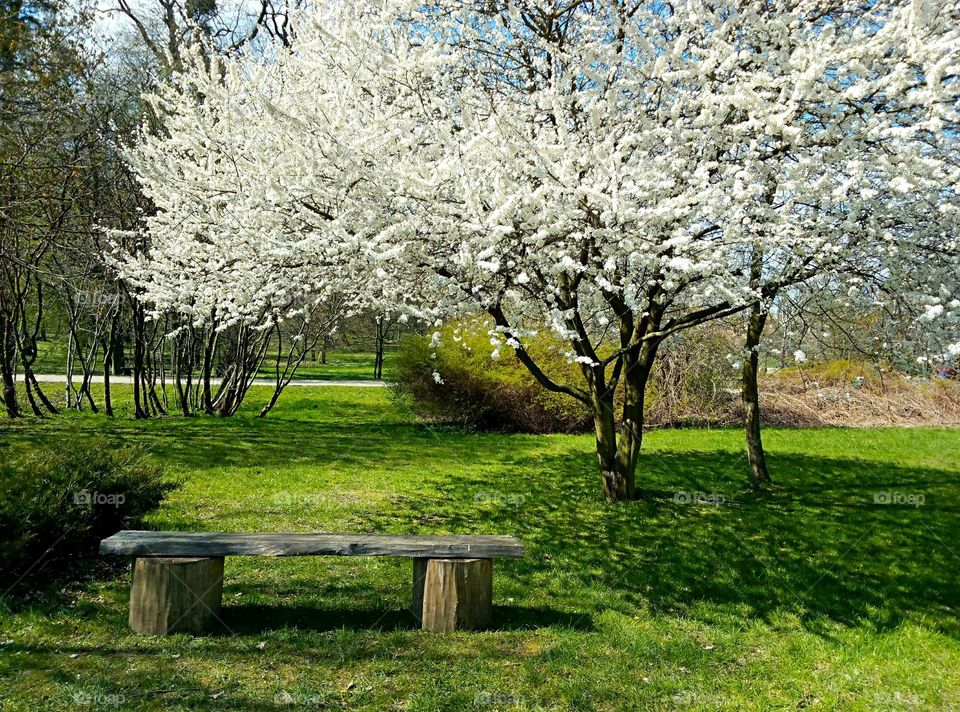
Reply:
x=217, y=544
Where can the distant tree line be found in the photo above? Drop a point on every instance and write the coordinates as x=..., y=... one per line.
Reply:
x=69, y=104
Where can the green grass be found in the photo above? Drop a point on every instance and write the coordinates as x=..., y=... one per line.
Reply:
x=340, y=366
x=810, y=597
x=52, y=358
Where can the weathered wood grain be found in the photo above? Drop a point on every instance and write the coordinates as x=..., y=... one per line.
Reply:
x=175, y=595
x=452, y=594
x=218, y=544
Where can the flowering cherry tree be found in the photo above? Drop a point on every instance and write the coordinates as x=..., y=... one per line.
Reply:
x=611, y=171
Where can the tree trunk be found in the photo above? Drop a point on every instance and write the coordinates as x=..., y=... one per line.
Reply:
x=8, y=354
x=85, y=385
x=616, y=484
x=165, y=399
x=109, y=353
x=157, y=406
x=69, y=384
x=26, y=342
x=107, y=402
x=225, y=404
x=29, y=376
x=31, y=400
x=140, y=404
x=636, y=374
x=759, y=475
x=10, y=392
x=619, y=448
x=271, y=403
x=176, y=354
x=208, y=368
x=191, y=362
x=380, y=346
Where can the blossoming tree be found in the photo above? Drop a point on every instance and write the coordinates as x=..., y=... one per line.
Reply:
x=612, y=171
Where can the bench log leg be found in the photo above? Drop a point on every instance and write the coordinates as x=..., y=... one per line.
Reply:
x=452, y=594
x=175, y=595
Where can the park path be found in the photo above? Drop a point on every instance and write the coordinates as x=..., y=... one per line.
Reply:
x=128, y=380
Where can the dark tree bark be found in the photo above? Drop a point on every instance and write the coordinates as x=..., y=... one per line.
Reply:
x=207, y=368
x=247, y=354
x=182, y=357
x=759, y=474
x=8, y=355
x=154, y=370
x=618, y=447
x=107, y=400
x=28, y=388
x=380, y=344
x=109, y=354
x=30, y=377
x=140, y=405
x=27, y=345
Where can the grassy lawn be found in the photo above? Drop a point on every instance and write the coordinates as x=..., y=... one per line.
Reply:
x=340, y=366
x=52, y=358
x=810, y=597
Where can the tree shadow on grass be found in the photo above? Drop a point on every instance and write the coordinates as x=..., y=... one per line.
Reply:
x=823, y=546
x=207, y=442
x=819, y=546
x=354, y=593
x=252, y=619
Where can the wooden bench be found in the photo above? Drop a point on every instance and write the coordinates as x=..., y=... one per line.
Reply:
x=178, y=576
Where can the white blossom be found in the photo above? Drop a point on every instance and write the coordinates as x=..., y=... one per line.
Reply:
x=650, y=170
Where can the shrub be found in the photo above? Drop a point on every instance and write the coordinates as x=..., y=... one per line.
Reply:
x=851, y=393
x=839, y=373
x=488, y=393
x=693, y=381
x=61, y=501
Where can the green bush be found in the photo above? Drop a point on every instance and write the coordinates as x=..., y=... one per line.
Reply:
x=59, y=502
x=692, y=383
x=488, y=393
